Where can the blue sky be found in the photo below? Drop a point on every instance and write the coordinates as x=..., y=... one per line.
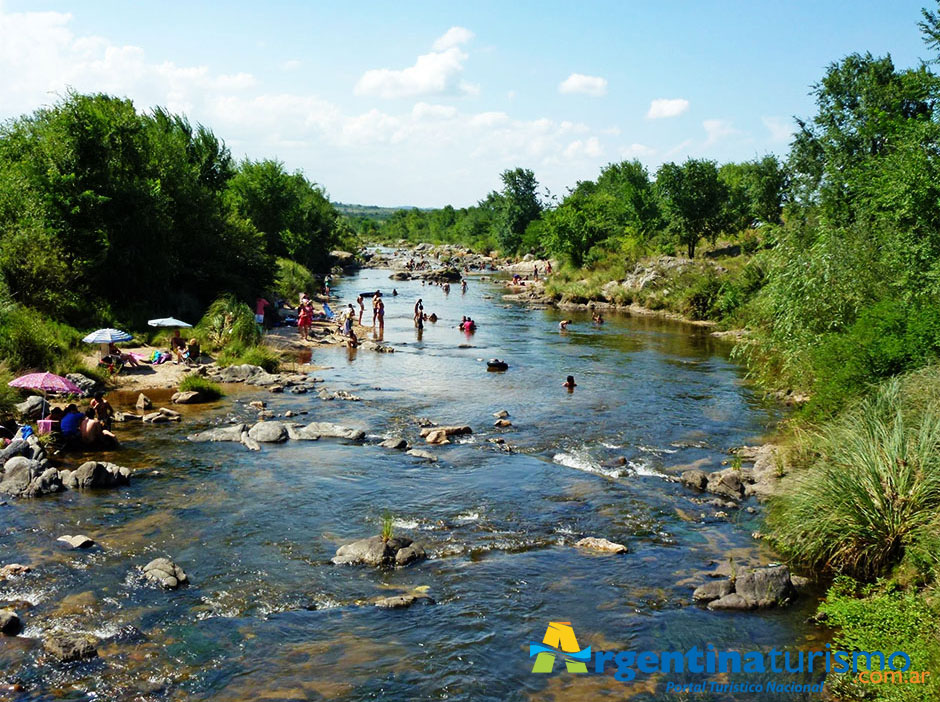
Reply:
x=425, y=103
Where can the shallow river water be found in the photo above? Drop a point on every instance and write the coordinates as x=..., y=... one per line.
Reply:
x=268, y=617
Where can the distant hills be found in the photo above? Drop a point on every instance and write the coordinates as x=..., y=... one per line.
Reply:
x=375, y=212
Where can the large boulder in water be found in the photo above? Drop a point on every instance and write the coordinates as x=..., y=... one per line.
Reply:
x=96, y=474
x=71, y=647
x=334, y=431
x=27, y=477
x=268, y=432
x=375, y=551
x=233, y=432
x=765, y=587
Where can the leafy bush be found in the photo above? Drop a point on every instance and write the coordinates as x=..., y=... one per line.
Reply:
x=700, y=300
x=29, y=341
x=871, y=494
x=228, y=321
x=881, y=618
x=206, y=388
x=292, y=279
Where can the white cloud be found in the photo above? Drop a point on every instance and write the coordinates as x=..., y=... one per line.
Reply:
x=595, y=86
x=637, y=151
x=455, y=36
x=665, y=107
x=717, y=129
x=423, y=110
x=434, y=73
x=590, y=148
x=291, y=65
x=780, y=129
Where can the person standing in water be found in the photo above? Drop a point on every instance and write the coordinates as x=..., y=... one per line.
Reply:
x=463, y=285
x=419, y=308
x=362, y=308
x=375, y=306
x=380, y=312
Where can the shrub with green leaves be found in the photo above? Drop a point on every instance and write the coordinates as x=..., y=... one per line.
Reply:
x=206, y=388
x=881, y=618
x=872, y=492
x=229, y=321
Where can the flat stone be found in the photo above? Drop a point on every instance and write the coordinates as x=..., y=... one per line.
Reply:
x=418, y=453
x=502, y=414
x=335, y=431
x=597, y=544
x=402, y=601
x=502, y=423
x=448, y=431
x=229, y=433
x=187, y=397
x=77, y=541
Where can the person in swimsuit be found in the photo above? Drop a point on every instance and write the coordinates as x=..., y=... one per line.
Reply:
x=305, y=319
x=362, y=308
x=380, y=311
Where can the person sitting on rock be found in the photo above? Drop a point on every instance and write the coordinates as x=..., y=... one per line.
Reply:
x=71, y=424
x=103, y=410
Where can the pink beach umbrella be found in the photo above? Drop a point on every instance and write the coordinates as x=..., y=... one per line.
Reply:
x=47, y=382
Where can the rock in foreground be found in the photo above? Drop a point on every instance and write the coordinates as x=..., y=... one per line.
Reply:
x=71, y=647
x=165, y=573
x=596, y=544
x=757, y=588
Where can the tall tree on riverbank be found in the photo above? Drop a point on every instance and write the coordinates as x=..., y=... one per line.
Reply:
x=520, y=206
x=693, y=199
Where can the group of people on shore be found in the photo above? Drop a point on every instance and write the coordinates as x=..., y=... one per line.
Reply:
x=68, y=426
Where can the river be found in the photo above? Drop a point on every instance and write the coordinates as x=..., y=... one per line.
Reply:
x=267, y=616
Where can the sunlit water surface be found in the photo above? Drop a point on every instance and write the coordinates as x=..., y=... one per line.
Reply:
x=268, y=617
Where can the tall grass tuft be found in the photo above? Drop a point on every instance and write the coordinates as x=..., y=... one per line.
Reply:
x=872, y=492
x=229, y=321
x=205, y=387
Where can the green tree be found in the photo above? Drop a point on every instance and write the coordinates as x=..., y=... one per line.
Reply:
x=693, y=199
x=520, y=206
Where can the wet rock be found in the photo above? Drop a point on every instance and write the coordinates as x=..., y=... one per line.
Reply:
x=143, y=402
x=425, y=422
x=502, y=423
x=26, y=477
x=10, y=624
x=726, y=483
x=695, y=479
x=157, y=418
x=730, y=601
x=258, y=404
x=334, y=431
x=375, y=551
x=95, y=474
x=187, y=397
x=394, y=443
x=165, y=573
x=268, y=432
x=502, y=414
x=402, y=601
x=410, y=554
x=76, y=541
x=765, y=587
x=275, y=388
x=127, y=417
x=597, y=544
x=13, y=569
x=418, y=453
x=400, y=275
x=71, y=647
x=713, y=590
x=437, y=437
x=299, y=390
x=229, y=433
x=250, y=443
x=241, y=373
x=31, y=407
x=299, y=433
x=448, y=431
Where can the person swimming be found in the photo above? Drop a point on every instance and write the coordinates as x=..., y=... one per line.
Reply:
x=563, y=324
x=569, y=383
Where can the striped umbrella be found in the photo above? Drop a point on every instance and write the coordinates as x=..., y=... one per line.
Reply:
x=168, y=322
x=107, y=336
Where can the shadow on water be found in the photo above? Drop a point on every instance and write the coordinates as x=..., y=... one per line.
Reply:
x=267, y=616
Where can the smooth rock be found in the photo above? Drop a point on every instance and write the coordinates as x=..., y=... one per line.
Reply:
x=375, y=551
x=77, y=541
x=268, y=432
x=730, y=601
x=448, y=431
x=597, y=544
x=410, y=554
x=436, y=437
x=186, y=397
x=502, y=414
x=165, y=573
x=334, y=431
x=501, y=423
x=418, y=453
x=402, y=601
x=13, y=569
x=229, y=433
x=258, y=404
x=143, y=402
